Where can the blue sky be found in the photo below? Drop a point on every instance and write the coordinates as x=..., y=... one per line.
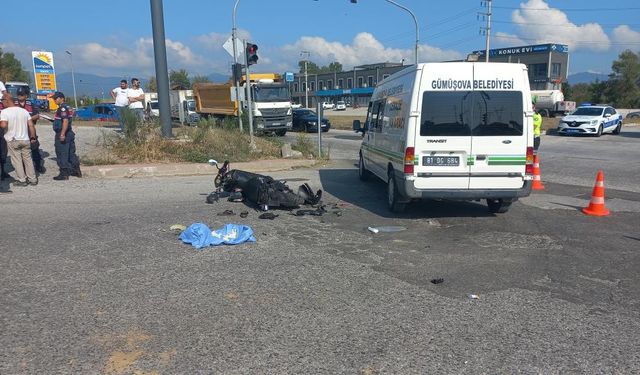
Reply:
x=114, y=38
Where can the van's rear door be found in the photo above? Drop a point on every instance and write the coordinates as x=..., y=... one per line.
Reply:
x=442, y=139
x=499, y=127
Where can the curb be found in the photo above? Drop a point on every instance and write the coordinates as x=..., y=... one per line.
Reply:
x=186, y=169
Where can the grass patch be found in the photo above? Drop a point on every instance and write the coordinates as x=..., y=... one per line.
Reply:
x=308, y=146
x=143, y=143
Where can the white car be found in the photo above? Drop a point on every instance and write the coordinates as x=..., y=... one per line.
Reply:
x=327, y=105
x=340, y=106
x=593, y=120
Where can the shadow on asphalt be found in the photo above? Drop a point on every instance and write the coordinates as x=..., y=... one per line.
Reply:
x=629, y=134
x=371, y=195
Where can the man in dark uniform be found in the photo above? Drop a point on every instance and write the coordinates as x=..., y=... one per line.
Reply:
x=65, y=144
x=24, y=102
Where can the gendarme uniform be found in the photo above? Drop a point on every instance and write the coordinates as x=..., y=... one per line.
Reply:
x=67, y=159
x=537, y=124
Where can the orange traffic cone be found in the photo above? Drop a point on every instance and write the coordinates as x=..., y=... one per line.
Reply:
x=537, y=182
x=596, y=206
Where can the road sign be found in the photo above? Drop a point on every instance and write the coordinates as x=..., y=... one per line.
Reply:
x=288, y=76
x=228, y=46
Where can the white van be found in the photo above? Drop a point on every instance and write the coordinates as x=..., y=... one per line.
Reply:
x=458, y=130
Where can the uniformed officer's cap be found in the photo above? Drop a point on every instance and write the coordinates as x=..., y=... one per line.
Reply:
x=57, y=95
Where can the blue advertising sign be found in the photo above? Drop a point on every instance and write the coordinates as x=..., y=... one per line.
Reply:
x=538, y=48
x=288, y=77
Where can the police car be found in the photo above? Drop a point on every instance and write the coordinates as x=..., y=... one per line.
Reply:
x=592, y=120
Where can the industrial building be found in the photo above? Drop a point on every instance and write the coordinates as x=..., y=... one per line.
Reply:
x=548, y=68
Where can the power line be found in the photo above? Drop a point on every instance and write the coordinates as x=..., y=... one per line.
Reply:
x=557, y=25
x=571, y=9
x=574, y=41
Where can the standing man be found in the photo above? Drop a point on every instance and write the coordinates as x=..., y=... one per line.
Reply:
x=136, y=97
x=24, y=102
x=537, y=125
x=121, y=97
x=3, y=143
x=65, y=140
x=19, y=134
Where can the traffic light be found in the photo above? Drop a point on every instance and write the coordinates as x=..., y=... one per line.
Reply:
x=236, y=70
x=252, y=54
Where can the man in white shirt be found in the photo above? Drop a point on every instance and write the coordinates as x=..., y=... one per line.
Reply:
x=2, y=88
x=121, y=97
x=136, y=97
x=19, y=134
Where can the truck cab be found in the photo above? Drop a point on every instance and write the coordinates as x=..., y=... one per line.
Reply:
x=271, y=106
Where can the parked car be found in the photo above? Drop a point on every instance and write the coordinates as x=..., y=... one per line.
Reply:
x=340, y=106
x=633, y=115
x=593, y=120
x=307, y=120
x=100, y=112
x=296, y=105
x=327, y=105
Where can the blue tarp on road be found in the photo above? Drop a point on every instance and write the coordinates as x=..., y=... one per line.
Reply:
x=199, y=235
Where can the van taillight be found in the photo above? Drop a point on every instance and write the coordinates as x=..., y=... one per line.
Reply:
x=529, y=165
x=408, y=160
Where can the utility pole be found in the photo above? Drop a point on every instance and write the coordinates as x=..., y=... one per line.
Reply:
x=235, y=61
x=487, y=29
x=162, y=73
x=306, y=81
x=73, y=79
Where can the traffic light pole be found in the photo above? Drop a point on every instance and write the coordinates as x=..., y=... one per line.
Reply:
x=247, y=83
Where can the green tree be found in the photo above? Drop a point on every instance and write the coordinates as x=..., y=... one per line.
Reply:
x=151, y=85
x=579, y=93
x=312, y=67
x=200, y=79
x=11, y=68
x=179, y=80
x=623, y=89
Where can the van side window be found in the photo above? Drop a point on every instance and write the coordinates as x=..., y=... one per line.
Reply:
x=372, y=115
x=446, y=113
x=381, y=117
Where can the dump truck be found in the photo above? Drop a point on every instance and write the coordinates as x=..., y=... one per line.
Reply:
x=550, y=103
x=183, y=107
x=270, y=102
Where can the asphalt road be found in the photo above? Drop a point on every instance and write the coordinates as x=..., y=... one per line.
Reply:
x=94, y=282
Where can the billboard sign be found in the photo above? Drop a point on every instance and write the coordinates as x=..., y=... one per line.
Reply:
x=538, y=48
x=44, y=72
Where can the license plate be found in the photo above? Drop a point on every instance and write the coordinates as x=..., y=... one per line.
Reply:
x=276, y=124
x=441, y=161
x=572, y=130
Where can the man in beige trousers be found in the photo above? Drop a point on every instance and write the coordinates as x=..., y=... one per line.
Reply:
x=19, y=134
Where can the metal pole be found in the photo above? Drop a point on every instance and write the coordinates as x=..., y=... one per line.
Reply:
x=162, y=73
x=306, y=80
x=235, y=61
x=319, y=123
x=486, y=53
x=415, y=20
x=247, y=83
x=73, y=79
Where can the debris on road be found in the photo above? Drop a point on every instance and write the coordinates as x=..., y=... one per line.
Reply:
x=386, y=229
x=437, y=281
x=473, y=296
x=199, y=235
x=226, y=213
x=268, y=216
x=177, y=227
x=244, y=214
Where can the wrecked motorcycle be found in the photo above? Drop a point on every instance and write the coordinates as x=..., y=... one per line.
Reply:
x=263, y=191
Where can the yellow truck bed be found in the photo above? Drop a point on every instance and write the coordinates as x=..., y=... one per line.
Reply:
x=214, y=98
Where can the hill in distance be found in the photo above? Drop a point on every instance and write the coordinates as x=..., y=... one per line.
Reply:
x=586, y=77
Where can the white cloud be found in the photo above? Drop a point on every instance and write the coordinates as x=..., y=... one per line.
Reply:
x=364, y=49
x=506, y=39
x=626, y=38
x=553, y=26
x=214, y=41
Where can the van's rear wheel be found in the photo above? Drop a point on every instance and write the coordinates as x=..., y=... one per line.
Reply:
x=363, y=173
x=393, y=196
x=498, y=206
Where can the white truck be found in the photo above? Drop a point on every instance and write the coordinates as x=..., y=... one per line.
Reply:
x=151, y=107
x=550, y=103
x=183, y=106
x=271, y=102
